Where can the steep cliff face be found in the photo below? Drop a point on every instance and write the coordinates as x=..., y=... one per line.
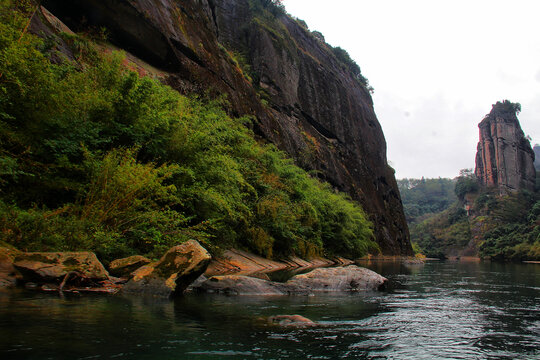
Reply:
x=305, y=100
x=504, y=158
x=536, y=150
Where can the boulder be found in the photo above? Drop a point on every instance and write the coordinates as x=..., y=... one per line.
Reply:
x=291, y=321
x=241, y=285
x=124, y=267
x=194, y=286
x=173, y=273
x=338, y=279
x=8, y=273
x=52, y=267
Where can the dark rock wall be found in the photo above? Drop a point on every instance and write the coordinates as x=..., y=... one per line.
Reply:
x=504, y=158
x=536, y=150
x=304, y=99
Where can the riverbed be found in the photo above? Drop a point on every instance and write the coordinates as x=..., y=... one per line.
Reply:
x=439, y=310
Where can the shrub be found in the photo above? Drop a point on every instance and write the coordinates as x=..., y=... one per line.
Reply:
x=466, y=183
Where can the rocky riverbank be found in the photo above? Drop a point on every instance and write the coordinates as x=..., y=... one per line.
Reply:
x=184, y=267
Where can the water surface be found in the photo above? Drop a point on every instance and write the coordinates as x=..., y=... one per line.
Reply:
x=443, y=310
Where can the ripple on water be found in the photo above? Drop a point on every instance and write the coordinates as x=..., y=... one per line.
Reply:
x=443, y=310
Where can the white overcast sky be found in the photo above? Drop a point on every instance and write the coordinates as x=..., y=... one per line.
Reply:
x=437, y=67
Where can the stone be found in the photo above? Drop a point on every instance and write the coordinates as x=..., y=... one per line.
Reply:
x=52, y=267
x=322, y=280
x=504, y=158
x=234, y=260
x=338, y=279
x=291, y=321
x=125, y=266
x=173, y=273
x=193, y=287
x=241, y=285
x=315, y=108
x=8, y=273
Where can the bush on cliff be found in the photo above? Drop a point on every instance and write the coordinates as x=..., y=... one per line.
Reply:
x=95, y=157
x=517, y=236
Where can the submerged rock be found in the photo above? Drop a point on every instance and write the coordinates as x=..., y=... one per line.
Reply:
x=338, y=280
x=291, y=321
x=125, y=266
x=53, y=267
x=173, y=273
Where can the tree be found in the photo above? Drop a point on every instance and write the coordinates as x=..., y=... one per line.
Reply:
x=466, y=183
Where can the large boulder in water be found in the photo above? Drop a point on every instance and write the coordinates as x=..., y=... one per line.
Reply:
x=125, y=266
x=339, y=279
x=173, y=273
x=52, y=267
x=241, y=285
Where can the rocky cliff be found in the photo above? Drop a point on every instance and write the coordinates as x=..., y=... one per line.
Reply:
x=536, y=150
x=504, y=158
x=306, y=97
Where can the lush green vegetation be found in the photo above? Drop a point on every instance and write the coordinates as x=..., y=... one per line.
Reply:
x=343, y=56
x=95, y=157
x=466, y=183
x=502, y=227
x=421, y=197
x=514, y=226
x=442, y=233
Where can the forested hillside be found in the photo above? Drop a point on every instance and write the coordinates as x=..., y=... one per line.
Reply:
x=96, y=154
x=425, y=196
x=479, y=221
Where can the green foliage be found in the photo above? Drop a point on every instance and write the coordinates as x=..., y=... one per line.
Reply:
x=466, y=183
x=95, y=157
x=518, y=235
x=509, y=226
x=319, y=36
x=421, y=197
x=276, y=7
x=442, y=233
x=508, y=106
x=343, y=56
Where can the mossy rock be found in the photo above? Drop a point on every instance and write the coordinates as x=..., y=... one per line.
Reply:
x=47, y=267
x=125, y=266
x=173, y=273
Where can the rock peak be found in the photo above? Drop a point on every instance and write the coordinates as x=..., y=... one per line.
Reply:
x=504, y=157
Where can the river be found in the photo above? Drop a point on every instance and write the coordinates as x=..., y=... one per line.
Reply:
x=440, y=310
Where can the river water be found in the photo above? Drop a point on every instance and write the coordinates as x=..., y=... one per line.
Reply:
x=440, y=310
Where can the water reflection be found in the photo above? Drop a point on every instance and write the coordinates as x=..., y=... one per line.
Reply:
x=438, y=310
